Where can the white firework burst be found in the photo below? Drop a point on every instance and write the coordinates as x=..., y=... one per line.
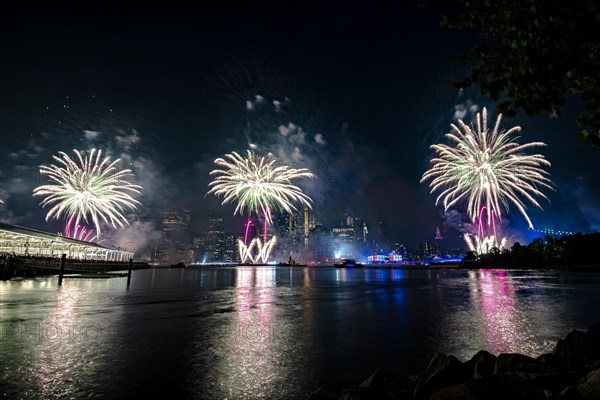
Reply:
x=258, y=184
x=487, y=168
x=90, y=188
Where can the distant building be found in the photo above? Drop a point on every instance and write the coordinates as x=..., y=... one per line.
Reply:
x=283, y=225
x=427, y=249
x=306, y=227
x=175, y=242
x=231, y=252
x=198, y=249
x=343, y=234
x=214, y=241
x=382, y=234
x=440, y=244
x=401, y=249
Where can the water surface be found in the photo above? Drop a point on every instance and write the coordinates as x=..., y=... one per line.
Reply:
x=266, y=332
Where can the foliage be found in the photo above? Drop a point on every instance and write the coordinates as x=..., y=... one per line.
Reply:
x=532, y=53
x=570, y=250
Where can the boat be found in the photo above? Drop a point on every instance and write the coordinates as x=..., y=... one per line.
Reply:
x=180, y=264
x=348, y=263
x=294, y=264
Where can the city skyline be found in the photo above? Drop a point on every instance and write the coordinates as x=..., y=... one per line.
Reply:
x=358, y=107
x=301, y=235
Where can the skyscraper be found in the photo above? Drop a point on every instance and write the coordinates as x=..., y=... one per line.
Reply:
x=230, y=252
x=214, y=242
x=306, y=226
x=175, y=239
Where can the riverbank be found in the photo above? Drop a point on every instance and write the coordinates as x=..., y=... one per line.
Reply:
x=470, y=267
x=571, y=372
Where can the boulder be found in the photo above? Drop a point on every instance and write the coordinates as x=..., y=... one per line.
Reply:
x=482, y=364
x=442, y=371
x=514, y=362
x=577, y=350
x=323, y=394
x=454, y=392
x=594, y=331
x=364, y=393
x=390, y=381
x=549, y=359
x=492, y=387
x=588, y=387
x=549, y=379
x=593, y=335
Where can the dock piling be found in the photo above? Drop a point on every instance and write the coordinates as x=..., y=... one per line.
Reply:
x=63, y=260
x=129, y=272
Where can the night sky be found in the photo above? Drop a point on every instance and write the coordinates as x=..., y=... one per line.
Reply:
x=356, y=91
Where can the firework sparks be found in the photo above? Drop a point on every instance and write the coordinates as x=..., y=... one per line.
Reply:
x=487, y=168
x=92, y=188
x=258, y=184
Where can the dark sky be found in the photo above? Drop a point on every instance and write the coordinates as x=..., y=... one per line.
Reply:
x=364, y=88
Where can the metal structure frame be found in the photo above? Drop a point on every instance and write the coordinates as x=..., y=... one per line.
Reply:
x=20, y=241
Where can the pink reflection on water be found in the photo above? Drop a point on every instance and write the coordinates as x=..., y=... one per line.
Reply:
x=503, y=324
x=249, y=366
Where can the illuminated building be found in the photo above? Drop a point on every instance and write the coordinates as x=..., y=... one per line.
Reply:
x=344, y=234
x=230, y=252
x=427, y=250
x=385, y=258
x=21, y=241
x=214, y=241
x=438, y=241
x=283, y=225
x=306, y=226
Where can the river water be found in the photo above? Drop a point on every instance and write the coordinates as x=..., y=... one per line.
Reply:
x=267, y=332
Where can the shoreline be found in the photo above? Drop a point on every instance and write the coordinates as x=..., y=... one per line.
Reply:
x=32, y=266
x=571, y=372
x=47, y=267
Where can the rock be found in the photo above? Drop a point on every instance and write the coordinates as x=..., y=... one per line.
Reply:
x=454, y=392
x=550, y=360
x=494, y=387
x=441, y=372
x=576, y=350
x=482, y=364
x=594, y=331
x=588, y=387
x=570, y=393
x=547, y=378
x=323, y=394
x=364, y=393
x=513, y=362
x=390, y=381
x=593, y=335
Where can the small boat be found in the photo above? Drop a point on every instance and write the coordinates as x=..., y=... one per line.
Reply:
x=348, y=263
x=180, y=264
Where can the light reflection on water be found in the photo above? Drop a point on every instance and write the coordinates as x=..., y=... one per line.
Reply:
x=270, y=332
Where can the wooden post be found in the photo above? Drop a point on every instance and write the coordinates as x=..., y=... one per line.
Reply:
x=62, y=268
x=129, y=272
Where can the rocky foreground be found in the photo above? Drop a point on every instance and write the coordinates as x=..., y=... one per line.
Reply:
x=571, y=371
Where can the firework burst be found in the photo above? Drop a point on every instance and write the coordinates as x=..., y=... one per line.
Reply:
x=258, y=184
x=90, y=188
x=487, y=168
